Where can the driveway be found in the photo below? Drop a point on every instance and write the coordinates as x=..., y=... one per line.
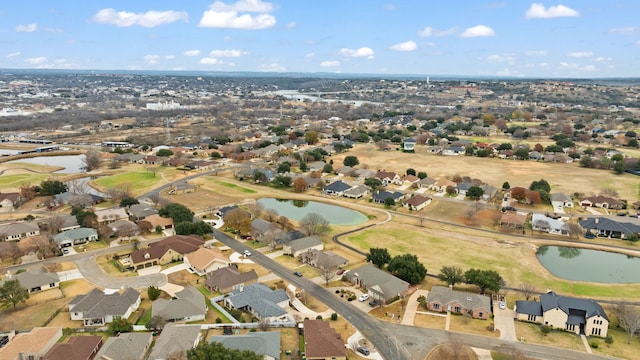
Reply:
x=503, y=321
x=94, y=274
x=412, y=307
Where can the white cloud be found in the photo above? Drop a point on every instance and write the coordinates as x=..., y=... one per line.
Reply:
x=169, y=57
x=537, y=53
x=580, y=54
x=330, y=63
x=14, y=55
x=361, y=52
x=27, y=28
x=426, y=32
x=36, y=61
x=54, y=30
x=538, y=11
x=589, y=68
x=405, y=46
x=226, y=53
x=273, y=67
x=567, y=65
x=429, y=31
x=508, y=58
x=504, y=72
x=604, y=59
x=221, y=15
x=151, y=18
x=209, y=61
x=310, y=55
x=478, y=31
x=544, y=65
x=191, y=53
x=291, y=25
x=151, y=59
x=627, y=30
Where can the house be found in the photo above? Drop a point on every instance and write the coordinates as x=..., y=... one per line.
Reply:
x=513, y=220
x=76, y=236
x=489, y=192
x=416, y=202
x=182, y=188
x=205, y=260
x=535, y=155
x=265, y=231
x=445, y=299
x=125, y=228
x=188, y=305
x=165, y=251
x=149, y=160
x=380, y=285
x=323, y=260
x=18, y=230
x=140, y=211
x=260, y=301
x=409, y=144
x=409, y=180
x=336, y=188
x=442, y=185
x=107, y=216
x=35, y=280
x=345, y=171
x=453, y=151
x=129, y=346
x=10, y=200
x=380, y=196
x=463, y=187
x=561, y=200
x=265, y=343
x=427, y=183
x=229, y=278
x=364, y=173
x=581, y=316
x=356, y=192
x=97, y=308
x=544, y=223
x=67, y=222
x=604, y=202
x=388, y=177
x=31, y=345
x=322, y=342
x=298, y=246
x=155, y=221
x=76, y=348
x=620, y=228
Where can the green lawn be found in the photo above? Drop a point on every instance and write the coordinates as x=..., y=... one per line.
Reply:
x=14, y=181
x=136, y=181
x=235, y=187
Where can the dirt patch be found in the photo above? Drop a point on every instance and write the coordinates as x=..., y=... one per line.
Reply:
x=451, y=352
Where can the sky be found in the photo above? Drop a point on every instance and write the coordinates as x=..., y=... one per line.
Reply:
x=517, y=38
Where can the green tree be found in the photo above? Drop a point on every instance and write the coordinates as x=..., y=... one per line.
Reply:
x=373, y=182
x=327, y=168
x=422, y=175
x=177, y=212
x=216, y=351
x=484, y=279
x=119, y=325
x=199, y=228
x=408, y=268
x=411, y=171
x=128, y=201
x=351, y=161
x=153, y=292
x=12, y=293
x=586, y=161
x=475, y=192
x=452, y=275
x=506, y=185
x=311, y=137
x=51, y=187
x=281, y=181
x=389, y=202
x=620, y=167
x=164, y=152
x=379, y=257
x=521, y=154
x=285, y=167
x=541, y=185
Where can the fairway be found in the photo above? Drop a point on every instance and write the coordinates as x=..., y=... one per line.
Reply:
x=235, y=187
x=135, y=181
x=13, y=182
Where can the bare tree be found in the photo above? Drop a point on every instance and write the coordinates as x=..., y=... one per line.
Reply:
x=527, y=290
x=54, y=224
x=271, y=215
x=115, y=194
x=628, y=319
x=264, y=324
x=27, y=191
x=155, y=198
x=81, y=201
x=314, y=224
x=256, y=209
x=78, y=187
x=328, y=273
x=609, y=192
x=92, y=160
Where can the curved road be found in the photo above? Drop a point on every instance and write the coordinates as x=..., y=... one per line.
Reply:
x=94, y=274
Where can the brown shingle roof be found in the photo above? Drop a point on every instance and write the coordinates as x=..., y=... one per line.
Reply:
x=322, y=341
x=178, y=243
x=77, y=348
x=227, y=277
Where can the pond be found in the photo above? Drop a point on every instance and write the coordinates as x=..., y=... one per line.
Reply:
x=72, y=164
x=590, y=265
x=298, y=209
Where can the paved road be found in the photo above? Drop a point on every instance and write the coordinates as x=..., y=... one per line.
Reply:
x=94, y=274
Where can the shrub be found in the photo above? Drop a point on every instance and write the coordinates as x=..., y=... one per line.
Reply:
x=545, y=329
x=319, y=317
x=334, y=317
x=594, y=345
x=609, y=340
x=218, y=320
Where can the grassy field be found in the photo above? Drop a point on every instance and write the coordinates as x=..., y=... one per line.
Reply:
x=136, y=182
x=236, y=187
x=11, y=181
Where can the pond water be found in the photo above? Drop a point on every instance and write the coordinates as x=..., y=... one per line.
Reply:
x=5, y=152
x=298, y=209
x=72, y=164
x=589, y=265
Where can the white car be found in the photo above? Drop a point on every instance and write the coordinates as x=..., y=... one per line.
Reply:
x=363, y=297
x=247, y=253
x=503, y=305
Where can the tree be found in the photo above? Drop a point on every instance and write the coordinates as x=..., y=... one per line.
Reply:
x=506, y=185
x=119, y=325
x=327, y=168
x=12, y=293
x=328, y=273
x=281, y=181
x=541, y=185
x=351, y=161
x=51, y=187
x=519, y=193
x=27, y=191
x=628, y=319
x=452, y=275
x=389, y=202
x=411, y=171
x=475, y=192
x=164, y=153
x=153, y=292
x=521, y=154
x=619, y=167
x=299, y=185
x=216, y=351
x=373, y=182
x=285, y=167
x=379, y=257
x=127, y=201
x=484, y=279
x=527, y=290
x=586, y=161
x=177, y=212
x=408, y=268
x=156, y=323
x=422, y=175
x=92, y=160
x=314, y=224
x=311, y=137
x=200, y=228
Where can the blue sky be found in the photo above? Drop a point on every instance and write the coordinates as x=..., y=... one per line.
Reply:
x=566, y=38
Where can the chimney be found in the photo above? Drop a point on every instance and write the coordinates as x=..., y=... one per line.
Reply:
x=597, y=220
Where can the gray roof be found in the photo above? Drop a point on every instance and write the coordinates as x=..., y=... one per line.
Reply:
x=382, y=281
x=356, y=190
x=625, y=225
x=382, y=195
x=471, y=301
x=229, y=276
x=175, y=338
x=188, y=302
x=96, y=304
x=304, y=243
x=75, y=234
x=128, y=346
x=337, y=186
x=260, y=298
x=141, y=210
x=34, y=278
x=560, y=197
x=528, y=307
x=552, y=300
x=18, y=228
x=261, y=343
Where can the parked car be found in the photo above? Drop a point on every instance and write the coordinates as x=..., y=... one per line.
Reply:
x=589, y=235
x=340, y=272
x=65, y=251
x=363, y=297
x=247, y=253
x=508, y=208
x=363, y=350
x=297, y=273
x=503, y=305
x=373, y=303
